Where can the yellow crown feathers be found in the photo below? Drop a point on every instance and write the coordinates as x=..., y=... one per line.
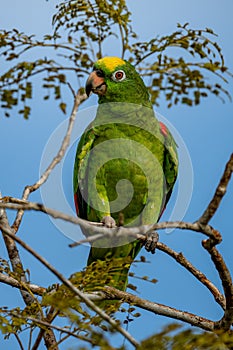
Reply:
x=110, y=62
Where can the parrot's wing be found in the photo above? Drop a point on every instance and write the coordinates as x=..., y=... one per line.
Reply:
x=80, y=172
x=170, y=161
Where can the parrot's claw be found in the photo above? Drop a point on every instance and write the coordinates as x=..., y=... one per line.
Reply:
x=108, y=221
x=151, y=241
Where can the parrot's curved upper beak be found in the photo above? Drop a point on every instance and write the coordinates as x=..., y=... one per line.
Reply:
x=96, y=83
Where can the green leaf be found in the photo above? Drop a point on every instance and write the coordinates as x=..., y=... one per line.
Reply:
x=62, y=106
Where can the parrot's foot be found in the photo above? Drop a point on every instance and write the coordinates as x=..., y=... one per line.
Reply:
x=108, y=221
x=151, y=241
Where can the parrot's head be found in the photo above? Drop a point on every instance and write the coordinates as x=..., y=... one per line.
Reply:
x=116, y=80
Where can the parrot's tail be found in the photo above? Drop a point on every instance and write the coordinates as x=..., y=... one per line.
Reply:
x=109, y=272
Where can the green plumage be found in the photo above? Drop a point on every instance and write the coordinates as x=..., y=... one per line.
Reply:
x=125, y=167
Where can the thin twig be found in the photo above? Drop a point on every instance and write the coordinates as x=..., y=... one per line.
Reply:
x=122, y=36
x=219, y=193
x=37, y=341
x=30, y=338
x=97, y=25
x=179, y=257
x=61, y=329
x=225, y=276
x=42, y=70
x=62, y=339
x=79, y=98
x=76, y=291
x=19, y=341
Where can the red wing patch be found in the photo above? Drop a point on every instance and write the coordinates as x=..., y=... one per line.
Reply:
x=76, y=203
x=163, y=129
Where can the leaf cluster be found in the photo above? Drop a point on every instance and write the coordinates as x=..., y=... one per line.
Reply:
x=182, y=77
x=175, y=65
x=16, y=321
x=78, y=322
x=95, y=21
x=172, y=338
x=92, y=279
x=18, y=82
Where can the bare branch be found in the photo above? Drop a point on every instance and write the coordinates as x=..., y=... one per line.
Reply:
x=98, y=229
x=79, y=98
x=160, y=309
x=219, y=193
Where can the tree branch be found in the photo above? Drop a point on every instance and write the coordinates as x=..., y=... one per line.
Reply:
x=218, y=195
x=20, y=285
x=19, y=341
x=160, y=309
x=79, y=98
x=44, y=331
x=225, y=276
x=209, y=244
x=17, y=266
x=14, y=256
x=98, y=229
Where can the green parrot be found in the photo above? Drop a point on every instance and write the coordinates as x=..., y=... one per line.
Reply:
x=125, y=168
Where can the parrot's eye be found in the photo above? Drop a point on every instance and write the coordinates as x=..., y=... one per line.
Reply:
x=119, y=75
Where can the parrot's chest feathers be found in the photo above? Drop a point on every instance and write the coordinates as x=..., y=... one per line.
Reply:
x=125, y=171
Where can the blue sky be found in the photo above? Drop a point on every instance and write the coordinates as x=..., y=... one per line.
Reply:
x=205, y=129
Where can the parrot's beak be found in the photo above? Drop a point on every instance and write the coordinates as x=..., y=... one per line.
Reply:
x=95, y=83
